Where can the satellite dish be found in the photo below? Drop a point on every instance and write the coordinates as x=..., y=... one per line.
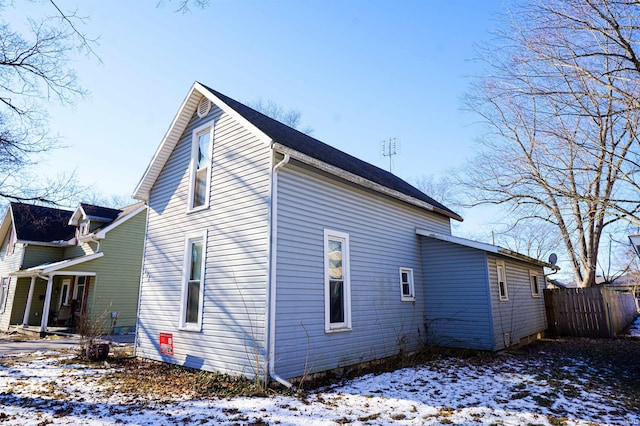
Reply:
x=553, y=258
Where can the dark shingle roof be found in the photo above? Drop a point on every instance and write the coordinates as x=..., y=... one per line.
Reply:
x=39, y=223
x=314, y=148
x=104, y=214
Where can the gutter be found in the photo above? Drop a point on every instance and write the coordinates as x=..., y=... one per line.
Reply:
x=271, y=330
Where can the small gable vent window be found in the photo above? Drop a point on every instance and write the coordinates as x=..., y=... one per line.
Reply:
x=204, y=107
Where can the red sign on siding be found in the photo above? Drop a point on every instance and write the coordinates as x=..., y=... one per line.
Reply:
x=166, y=343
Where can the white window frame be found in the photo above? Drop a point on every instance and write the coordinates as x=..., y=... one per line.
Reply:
x=411, y=297
x=501, y=266
x=346, y=280
x=532, y=275
x=194, y=161
x=186, y=269
x=5, y=282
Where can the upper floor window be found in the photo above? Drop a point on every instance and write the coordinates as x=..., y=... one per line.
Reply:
x=201, y=150
x=406, y=284
x=535, y=286
x=193, y=282
x=11, y=243
x=337, y=282
x=502, y=280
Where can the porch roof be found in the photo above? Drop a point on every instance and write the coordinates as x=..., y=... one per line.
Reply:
x=53, y=267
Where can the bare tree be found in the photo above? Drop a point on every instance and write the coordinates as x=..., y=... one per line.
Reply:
x=562, y=145
x=439, y=188
x=34, y=70
x=290, y=117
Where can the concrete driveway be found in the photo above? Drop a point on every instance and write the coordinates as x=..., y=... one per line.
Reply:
x=9, y=344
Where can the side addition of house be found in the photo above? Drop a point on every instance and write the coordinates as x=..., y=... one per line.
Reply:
x=271, y=253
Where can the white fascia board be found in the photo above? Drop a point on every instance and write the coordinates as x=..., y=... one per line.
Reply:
x=177, y=127
x=102, y=233
x=77, y=216
x=62, y=243
x=359, y=180
x=489, y=248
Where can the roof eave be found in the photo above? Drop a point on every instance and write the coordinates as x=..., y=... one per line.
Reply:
x=353, y=178
x=485, y=247
x=177, y=127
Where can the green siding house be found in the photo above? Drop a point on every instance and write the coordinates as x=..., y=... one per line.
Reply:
x=58, y=265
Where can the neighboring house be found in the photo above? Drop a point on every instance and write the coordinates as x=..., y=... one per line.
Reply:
x=271, y=253
x=56, y=265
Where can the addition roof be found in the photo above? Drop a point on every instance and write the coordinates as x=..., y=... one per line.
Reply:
x=283, y=135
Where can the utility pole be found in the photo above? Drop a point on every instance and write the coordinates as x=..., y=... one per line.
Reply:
x=389, y=149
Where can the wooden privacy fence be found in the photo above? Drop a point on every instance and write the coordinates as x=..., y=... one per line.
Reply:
x=588, y=312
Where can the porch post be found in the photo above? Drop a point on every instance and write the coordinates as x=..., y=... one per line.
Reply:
x=47, y=303
x=27, y=309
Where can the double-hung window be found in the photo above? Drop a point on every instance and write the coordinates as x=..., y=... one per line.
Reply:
x=193, y=282
x=406, y=285
x=535, y=285
x=337, y=283
x=201, y=152
x=502, y=280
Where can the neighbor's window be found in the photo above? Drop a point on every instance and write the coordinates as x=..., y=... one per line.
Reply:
x=406, y=284
x=12, y=242
x=535, y=286
x=502, y=280
x=4, y=292
x=193, y=282
x=337, y=285
x=201, y=167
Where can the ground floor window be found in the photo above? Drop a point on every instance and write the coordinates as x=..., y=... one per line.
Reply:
x=406, y=284
x=337, y=282
x=502, y=280
x=535, y=287
x=193, y=282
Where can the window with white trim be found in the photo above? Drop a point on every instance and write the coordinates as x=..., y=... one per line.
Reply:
x=4, y=292
x=337, y=283
x=193, y=282
x=535, y=284
x=502, y=280
x=201, y=151
x=64, y=292
x=406, y=285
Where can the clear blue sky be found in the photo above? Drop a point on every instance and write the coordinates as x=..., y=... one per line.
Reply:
x=359, y=71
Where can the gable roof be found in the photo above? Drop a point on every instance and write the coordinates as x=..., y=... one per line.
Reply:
x=281, y=134
x=41, y=224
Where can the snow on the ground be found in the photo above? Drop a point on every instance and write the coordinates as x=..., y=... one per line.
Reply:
x=48, y=388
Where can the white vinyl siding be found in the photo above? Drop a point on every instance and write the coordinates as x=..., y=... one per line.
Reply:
x=381, y=323
x=522, y=315
x=337, y=286
x=237, y=247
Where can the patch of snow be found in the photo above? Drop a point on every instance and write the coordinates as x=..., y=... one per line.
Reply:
x=49, y=388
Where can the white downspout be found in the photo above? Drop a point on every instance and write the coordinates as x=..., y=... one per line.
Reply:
x=272, y=271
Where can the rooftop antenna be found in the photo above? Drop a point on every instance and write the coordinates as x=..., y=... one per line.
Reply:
x=389, y=149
